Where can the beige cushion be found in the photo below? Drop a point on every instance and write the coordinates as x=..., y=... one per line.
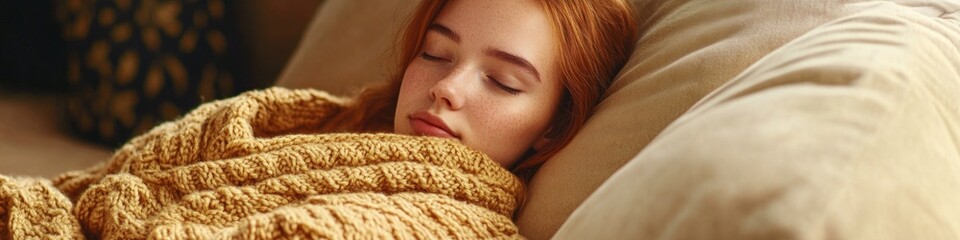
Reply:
x=852, y=131
x=690, y=47
x=348, y=45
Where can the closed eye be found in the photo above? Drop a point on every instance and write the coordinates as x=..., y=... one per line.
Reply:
x=505, y=88
x=431, y=58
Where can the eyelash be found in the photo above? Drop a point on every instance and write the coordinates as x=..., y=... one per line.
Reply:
x=431, y=58
x=499, y=85
x=509, y=90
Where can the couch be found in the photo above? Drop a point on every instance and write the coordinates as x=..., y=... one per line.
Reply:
x=747, y=119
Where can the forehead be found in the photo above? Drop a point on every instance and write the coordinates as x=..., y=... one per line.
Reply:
x=519, y=27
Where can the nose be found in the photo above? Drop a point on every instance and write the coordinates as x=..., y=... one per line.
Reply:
x=448, y=91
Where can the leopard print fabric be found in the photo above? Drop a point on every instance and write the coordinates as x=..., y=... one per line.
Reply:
x=135, y=63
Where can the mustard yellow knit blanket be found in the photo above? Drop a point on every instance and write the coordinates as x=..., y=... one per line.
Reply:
x=248, y=168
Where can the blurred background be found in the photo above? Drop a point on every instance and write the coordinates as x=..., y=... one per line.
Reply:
x=80, y=77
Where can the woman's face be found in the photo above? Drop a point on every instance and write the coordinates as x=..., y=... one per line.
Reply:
x=486, y=76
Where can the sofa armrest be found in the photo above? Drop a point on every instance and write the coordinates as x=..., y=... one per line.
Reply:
x=848, y=132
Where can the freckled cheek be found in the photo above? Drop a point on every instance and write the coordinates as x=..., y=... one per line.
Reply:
x=415, y=77
x=418, y=80
x=512, y=123
x=414, y=88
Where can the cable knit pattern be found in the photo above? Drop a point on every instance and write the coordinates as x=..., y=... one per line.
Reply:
x=249, y=168
x=33, y=209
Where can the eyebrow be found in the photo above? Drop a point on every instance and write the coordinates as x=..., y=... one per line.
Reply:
x=445, y=31
x=515, y=60
x=500, y=54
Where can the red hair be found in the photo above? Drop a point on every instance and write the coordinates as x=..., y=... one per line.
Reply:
x=596, y=39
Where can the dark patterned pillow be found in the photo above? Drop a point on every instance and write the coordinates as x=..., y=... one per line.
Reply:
x=135, y=63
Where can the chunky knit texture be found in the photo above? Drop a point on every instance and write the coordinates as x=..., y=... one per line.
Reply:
x=249, y=168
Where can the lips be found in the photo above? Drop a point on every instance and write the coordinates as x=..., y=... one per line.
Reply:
x=426, y=124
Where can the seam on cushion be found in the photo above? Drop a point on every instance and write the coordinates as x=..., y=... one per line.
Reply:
x=946, y=7
x=953, y=18
x=951, y=13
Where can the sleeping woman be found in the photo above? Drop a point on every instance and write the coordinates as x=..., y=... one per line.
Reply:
x=487, y=91
x=513, y=79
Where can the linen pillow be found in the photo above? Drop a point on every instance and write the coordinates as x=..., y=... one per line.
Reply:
x=688, y=48
x=848, y=132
